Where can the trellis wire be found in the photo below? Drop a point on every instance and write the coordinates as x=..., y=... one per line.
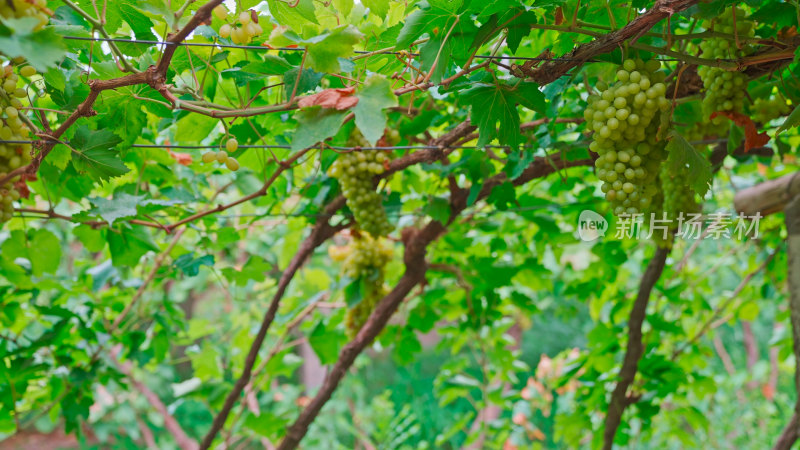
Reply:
x=278, y=146
x=300, y=49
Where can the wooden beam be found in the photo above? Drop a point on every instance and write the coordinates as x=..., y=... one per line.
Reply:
x=768, y=197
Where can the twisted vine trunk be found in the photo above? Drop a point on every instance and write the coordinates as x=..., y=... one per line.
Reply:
x=792, y=218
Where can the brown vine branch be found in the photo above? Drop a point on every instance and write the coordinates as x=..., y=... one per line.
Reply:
x=321, y=232
x=550, y=71
x=630, y=364
x=181, y=438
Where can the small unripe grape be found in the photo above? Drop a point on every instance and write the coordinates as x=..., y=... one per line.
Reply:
x=232, y=164
x=222, y=156
x=225, y=31
x=209, y=157
x=232, y=145
x=27, y=71
x=244, y=17
x=221, y=12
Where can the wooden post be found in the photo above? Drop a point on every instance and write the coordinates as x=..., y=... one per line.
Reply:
x=768, y=197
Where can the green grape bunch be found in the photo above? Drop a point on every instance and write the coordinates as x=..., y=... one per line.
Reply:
x=624, y=120
x=18, y=9
x=12, y=128
x=356, y=170
x=725, y=90
x=364, y=260
x=244, y=32
x=765, y=110
x=222, y=157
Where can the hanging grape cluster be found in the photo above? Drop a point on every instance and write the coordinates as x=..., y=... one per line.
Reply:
x=364, y=260
x=725, y=90
x=679, y=197
x=18, y=9
x=764, y=110
x=624, y=119
x=12, y=156
x=244, y=32
x=222, y=156
x=356, y=170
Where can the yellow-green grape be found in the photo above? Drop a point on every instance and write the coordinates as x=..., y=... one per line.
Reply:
x=222, y=156
x=232, y=164
x=12, y=156
x=356, y=171
x=209, y=157
x=725, y=90
x=231, y=145
x=765, y=110
x=225, y=31
x=364, y=259
x=244, y=17
x=624, y=118
x=238, y=36
x=221, y=12
x=27, y=71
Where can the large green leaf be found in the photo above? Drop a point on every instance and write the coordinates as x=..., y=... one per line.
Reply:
x=94, y=153
x=41, y=48
x=373, y=98
x=494, y=110
x=682, y=153
x=433, y=15
x=316, y=124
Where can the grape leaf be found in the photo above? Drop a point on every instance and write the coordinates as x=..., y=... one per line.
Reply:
x=430, y=16
x=127, y=246
x=42, y=49
x=374, y=97
x=315, y=125
x=40, y=247
x=94, y=154
x=378, y=7
x=682, y=153
x=498, y=103
x=123, y=205
x=791, y=121
x=294, y=17
x=752, y=138
x=190, y=265
x=307, y=81
x=325, y=50
x=341, y=99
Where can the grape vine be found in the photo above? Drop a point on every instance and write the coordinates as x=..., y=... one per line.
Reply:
x=623, y=117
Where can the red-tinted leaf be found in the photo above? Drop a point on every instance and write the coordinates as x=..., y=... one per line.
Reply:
x=331, y=98
x=752, y=138
x=559, y=16
x=182, y=158
x=21, y=185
